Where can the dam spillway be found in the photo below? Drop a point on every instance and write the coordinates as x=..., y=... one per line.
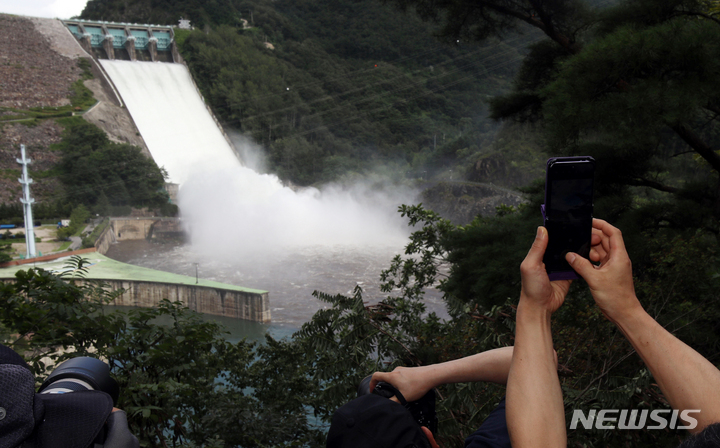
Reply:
x=146, y=69
x=172, y=117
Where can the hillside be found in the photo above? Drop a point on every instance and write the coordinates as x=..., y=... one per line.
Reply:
x=45, y=79
x=32, y=75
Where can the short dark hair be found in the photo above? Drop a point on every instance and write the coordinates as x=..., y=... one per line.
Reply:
x=375, y=421
x=707, y=438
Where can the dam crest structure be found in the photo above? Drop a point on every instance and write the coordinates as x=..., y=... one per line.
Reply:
x=125, y=41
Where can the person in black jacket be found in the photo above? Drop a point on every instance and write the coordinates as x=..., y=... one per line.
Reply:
x=81, y=419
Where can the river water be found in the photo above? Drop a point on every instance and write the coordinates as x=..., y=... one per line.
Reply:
x=290, y=277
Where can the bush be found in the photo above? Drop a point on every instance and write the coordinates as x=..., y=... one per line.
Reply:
x=90, y=240
x=168, y=209
x=78, y=217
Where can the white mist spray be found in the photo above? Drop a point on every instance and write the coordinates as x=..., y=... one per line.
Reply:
x=238, y=212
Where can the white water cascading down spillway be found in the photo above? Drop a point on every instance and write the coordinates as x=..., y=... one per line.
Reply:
x=171, y=117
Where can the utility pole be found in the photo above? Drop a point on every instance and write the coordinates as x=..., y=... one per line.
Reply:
x=27, y=202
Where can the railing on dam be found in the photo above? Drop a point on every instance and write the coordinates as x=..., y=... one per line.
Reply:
x=75, y=30
x=164, y=39
x=141, y=39
x=125, y=41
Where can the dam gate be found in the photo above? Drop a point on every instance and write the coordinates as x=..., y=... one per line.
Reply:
x=126, y=41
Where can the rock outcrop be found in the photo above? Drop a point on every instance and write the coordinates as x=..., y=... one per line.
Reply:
x=461, y=202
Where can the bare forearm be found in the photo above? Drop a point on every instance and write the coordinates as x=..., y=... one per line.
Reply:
x=686, y=378
x=489, y=366
x=535, y=412
x=414, y=382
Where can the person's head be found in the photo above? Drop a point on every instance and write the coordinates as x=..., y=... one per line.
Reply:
x=375, y=421
x=380, y=419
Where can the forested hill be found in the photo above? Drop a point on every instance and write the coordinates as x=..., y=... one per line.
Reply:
x=333, y=87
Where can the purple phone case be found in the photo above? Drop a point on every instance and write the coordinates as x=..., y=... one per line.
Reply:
x=561, y=275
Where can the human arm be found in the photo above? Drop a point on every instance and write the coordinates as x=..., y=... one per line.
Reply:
x=686, y=378
x=534, y=403
x=414, y=382
x=118, y=433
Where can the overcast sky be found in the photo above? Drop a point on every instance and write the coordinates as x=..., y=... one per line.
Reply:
x=61, y=9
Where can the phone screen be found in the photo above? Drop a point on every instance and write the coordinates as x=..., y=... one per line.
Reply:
x=568, y=211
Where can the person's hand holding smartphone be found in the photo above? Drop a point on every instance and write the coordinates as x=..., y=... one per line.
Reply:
x=567, y=212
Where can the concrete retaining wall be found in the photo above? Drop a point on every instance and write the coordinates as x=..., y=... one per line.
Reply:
x=131, y=229
x=218, y=302
x=141, y=228
x=121, y=229
x=166, y=228
x=105, y=240
x=203, y=299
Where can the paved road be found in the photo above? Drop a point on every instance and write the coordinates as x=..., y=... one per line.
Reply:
x=76, y=243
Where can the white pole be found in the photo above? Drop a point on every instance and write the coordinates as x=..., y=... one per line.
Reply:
x=27, y=202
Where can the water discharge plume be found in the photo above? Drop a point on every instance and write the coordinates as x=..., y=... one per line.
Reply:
x=246, y=228
x=235, y=211
x=252, y=155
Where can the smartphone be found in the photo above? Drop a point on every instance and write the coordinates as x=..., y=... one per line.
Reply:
x=567, y=212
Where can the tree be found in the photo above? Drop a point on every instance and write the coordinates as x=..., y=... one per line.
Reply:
x=634, y=83
x=97, y=171
x=560, y=20
x=78, y=218
x=637, y=83
x=181, y=381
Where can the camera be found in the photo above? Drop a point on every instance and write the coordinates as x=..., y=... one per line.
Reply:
x=78, y=374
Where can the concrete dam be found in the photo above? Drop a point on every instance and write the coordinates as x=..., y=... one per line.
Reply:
x=246, y=225
x=143, y=66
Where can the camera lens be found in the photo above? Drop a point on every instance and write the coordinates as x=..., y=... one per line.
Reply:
x=78, y=374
